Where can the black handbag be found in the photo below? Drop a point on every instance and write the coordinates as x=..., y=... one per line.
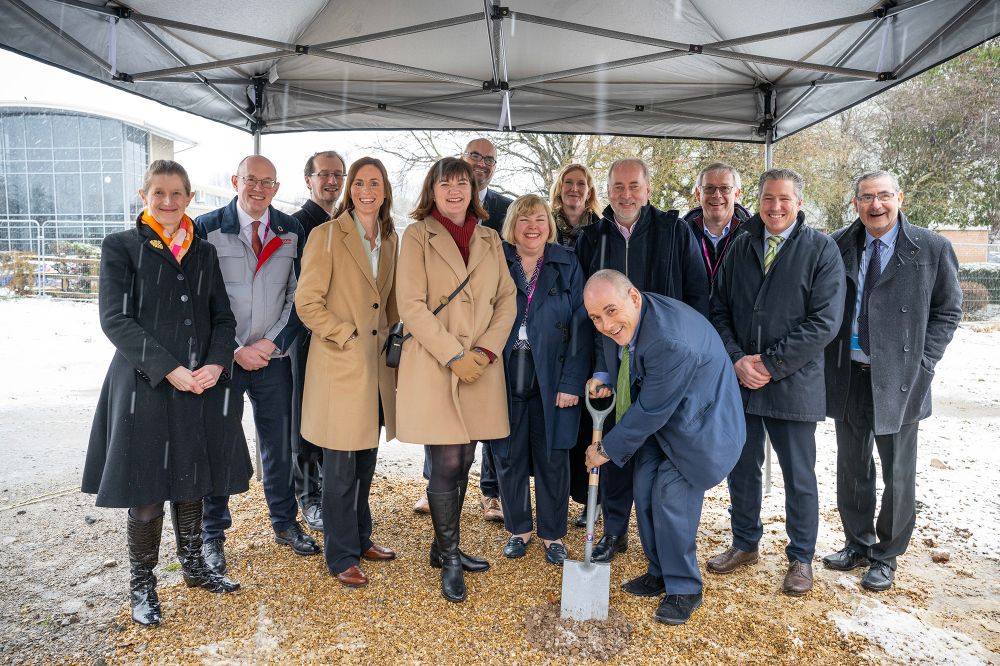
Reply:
x=393, y=346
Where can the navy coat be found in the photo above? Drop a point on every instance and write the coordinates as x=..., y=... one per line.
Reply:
x=561, y=341
x=496, y=206
x=787, y=316
x=149, y=441
x=913, y=313
x=685, y=394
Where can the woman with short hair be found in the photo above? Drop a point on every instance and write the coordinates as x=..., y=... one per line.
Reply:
x=158, y=432
x=547, y=363
x=451, y=384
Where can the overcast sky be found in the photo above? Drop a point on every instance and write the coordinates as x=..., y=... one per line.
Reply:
x=217, y=148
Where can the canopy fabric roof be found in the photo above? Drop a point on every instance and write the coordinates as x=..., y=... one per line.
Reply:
x=714, y=69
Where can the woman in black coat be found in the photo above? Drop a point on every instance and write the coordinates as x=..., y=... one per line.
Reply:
x=547, y=361
x=158, y=432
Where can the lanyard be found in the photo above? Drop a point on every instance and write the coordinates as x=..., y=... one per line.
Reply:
x=531, y=289
x=712, y=270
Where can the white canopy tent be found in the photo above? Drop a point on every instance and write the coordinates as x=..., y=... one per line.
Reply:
x=739, y=70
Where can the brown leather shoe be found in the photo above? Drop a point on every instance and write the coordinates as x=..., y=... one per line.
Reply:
x=730, y=560
x=422, y=506
x=491, y=508
x=799, y=579
x=352, y=577
x=379, y=553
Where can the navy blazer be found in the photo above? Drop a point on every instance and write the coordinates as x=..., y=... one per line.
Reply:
x=496, y=205
x=685, y=394
x=561, y=341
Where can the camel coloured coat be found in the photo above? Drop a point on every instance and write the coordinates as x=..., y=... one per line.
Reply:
x=337, y=297
x=432, y=405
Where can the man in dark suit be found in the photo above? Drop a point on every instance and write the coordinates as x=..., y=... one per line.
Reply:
x=903, y=302
x=717, y=219
x=658, y=254
x=324, y=176
x=777, y=303
x=678, y=413
x=259, y=249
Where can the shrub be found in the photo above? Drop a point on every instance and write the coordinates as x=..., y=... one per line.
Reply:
x=17, y=274
x=975, y=297
x=986, y=275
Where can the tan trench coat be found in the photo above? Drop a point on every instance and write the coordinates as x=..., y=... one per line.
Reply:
x=432, y=406
x=336, y=297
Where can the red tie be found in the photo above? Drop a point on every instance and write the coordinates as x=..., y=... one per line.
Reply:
x=255, y=242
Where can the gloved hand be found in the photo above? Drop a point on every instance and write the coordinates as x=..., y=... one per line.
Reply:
x=467, y=367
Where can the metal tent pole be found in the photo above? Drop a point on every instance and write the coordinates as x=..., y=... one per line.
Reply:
x=768, y=164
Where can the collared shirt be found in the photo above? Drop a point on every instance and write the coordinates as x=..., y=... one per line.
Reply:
x=784, y=234
x=482, y=194
x=626, y=232
x=888, y=242
x=371, y=253
x=712, y=237
x=246, y=224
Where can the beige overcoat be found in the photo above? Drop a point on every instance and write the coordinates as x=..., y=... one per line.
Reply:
x=432, y=406
x=337, y=297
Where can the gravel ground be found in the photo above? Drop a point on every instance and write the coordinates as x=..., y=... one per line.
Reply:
x=63, y=568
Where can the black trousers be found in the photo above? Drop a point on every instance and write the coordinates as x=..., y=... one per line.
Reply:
x=528, y=445
x=617, y=497
x=579, y=475
x=794, y=444
x=347, y=516
x=887, y=538
x=307, y=460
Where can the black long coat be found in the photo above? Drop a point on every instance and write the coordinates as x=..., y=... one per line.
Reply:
x=149, y=442
x=788, y=316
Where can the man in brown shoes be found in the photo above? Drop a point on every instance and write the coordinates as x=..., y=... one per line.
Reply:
x=777, y=302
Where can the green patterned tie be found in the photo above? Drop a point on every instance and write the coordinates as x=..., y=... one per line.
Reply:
x=772, y=251
x=623, y=389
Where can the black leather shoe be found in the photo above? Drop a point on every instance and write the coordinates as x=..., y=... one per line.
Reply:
x=470, y=563
x=301, y=543
x=677, y=608
x=646, y=585
x=581, y=520
x=879, y=577
x=608, y=547
x=516, y=547
x=555, y=553
x=313, y=515
x=845, y=560
x=215, y=555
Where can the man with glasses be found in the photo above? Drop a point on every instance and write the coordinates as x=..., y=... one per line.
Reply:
x=324, y=176
x=259, y=248
x=716, y=221
x=903, y=304
x=481, y=155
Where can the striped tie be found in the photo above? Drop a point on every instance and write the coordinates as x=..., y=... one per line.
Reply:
x=623, y=388
x=772, y=251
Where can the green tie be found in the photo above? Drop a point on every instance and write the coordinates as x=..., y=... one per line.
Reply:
x=623, y=389
x=772, y=251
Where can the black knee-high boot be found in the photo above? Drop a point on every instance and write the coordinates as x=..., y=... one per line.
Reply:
x=143, y=554
x=470, y=563
x=446, y=516
x=186, y=517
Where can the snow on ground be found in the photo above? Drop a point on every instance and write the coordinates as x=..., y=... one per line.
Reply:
x=54, y=355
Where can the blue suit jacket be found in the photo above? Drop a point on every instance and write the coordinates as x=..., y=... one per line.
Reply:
x=496, y=205
x=685, y=394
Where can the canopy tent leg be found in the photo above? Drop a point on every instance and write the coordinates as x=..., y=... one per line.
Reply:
x=768, y=164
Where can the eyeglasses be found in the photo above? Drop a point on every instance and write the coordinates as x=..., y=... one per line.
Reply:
x=884, y=197
x=477, y=157
x=266, y=183
x=324, y=175
x=724, y=190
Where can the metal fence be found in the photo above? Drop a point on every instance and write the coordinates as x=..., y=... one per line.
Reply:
x=62, y=258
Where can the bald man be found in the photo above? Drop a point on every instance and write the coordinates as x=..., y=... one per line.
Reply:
x=259, y=249
x=680, y=417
